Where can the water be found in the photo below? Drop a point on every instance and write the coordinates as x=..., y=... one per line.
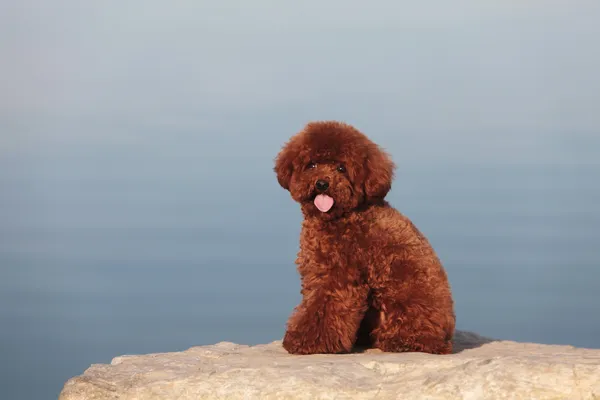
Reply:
x=138, y=207
x=106, y=254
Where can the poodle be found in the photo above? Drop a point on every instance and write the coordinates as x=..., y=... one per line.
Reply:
x=369, y=276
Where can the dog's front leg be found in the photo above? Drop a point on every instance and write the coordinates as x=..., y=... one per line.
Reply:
x=327, y=320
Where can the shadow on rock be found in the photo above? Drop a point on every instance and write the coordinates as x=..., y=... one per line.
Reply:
x=463, y=340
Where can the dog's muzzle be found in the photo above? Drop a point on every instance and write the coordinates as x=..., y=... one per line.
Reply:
x=321, y=185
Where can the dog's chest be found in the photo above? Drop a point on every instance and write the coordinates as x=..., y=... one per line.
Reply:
x=337, y=248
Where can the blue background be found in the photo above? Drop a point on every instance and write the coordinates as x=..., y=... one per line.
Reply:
x=138, y=207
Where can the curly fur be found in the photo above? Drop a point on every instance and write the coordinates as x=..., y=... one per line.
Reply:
x=369, y=277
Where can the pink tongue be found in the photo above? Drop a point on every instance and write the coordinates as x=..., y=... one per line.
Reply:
x=323, y=202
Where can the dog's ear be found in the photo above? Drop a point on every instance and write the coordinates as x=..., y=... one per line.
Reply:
x=284, y=163
x=379, y=169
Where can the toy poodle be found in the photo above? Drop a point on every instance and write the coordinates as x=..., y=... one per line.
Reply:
x=369, y=276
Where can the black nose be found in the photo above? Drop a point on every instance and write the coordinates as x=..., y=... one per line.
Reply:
x=321, y=185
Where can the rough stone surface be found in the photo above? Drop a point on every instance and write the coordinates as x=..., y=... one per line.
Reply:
x=480, y=369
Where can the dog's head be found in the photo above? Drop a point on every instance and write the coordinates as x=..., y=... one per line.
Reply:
x=331, y=168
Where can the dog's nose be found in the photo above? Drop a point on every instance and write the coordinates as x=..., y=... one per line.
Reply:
x=321, y=185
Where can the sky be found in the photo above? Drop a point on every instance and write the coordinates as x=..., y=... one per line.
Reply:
x=449, y=71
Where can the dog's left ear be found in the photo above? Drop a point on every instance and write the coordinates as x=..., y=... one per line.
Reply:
x=379, y=170
x=284, y=163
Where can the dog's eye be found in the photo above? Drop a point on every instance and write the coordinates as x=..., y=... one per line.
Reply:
x=311, y=165
x=341, y=168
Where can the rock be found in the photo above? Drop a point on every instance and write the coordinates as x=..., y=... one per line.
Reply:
x=480, y=368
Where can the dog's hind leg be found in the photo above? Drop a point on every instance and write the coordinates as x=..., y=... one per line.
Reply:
x=413, y=326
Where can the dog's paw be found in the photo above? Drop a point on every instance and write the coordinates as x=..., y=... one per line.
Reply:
x=309, y=343
x=293, y=344
x=399, y=345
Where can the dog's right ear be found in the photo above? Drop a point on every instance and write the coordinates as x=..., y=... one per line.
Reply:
x=284, y=163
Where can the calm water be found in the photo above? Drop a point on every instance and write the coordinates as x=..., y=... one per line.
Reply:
x=105, y=254
x=138, y=207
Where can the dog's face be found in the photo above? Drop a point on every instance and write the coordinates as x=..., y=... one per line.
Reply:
x=331, y=168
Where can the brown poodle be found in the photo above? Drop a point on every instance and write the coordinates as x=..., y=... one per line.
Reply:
x=369, y=277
